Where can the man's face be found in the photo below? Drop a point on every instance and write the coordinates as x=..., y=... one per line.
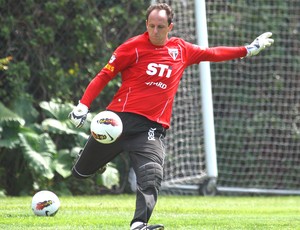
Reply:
x=158, y=28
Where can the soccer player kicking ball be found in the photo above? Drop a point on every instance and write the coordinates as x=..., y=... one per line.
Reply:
x=151, y=66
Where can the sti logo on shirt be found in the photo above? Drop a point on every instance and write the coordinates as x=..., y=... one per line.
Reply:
x=161, y=69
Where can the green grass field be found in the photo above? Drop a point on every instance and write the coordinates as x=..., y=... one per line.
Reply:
x=175, y=212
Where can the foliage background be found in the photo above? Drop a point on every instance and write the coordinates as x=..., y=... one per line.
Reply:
x=50, y=51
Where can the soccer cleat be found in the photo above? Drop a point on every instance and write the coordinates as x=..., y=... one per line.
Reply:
x=144, y=226
x=156, y=226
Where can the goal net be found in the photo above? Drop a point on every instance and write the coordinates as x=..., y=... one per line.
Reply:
x=256, y=100
x=185, y=160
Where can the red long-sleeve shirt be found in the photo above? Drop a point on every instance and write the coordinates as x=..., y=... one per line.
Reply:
x=151, y=74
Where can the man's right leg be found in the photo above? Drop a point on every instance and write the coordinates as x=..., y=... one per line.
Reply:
x=94, y=156
x=147, y=156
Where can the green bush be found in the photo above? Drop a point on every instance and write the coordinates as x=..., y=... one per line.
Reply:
x=54, y=49
x=40, y=156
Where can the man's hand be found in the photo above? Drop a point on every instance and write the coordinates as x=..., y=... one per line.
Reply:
x=78, y=115
x=259, y=44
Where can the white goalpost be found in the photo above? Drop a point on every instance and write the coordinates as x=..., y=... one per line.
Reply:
x=207, y=101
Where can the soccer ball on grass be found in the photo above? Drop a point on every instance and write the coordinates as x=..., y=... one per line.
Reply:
x=45, y=203
x=106, y=127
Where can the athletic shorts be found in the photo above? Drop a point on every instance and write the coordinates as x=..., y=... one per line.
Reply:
x=140, y=137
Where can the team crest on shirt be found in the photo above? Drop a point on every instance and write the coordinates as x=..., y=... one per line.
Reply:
x=173, y=53
x=112, y=59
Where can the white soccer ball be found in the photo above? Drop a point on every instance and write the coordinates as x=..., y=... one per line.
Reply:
x=45, y=203
x=106, y=127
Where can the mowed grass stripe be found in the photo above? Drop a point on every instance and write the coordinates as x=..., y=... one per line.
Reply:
x=175, y=212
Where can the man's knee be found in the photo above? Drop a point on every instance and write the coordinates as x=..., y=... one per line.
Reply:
x=78, y=175
x=150, y=175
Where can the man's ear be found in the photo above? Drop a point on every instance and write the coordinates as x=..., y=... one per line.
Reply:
x=171, y=27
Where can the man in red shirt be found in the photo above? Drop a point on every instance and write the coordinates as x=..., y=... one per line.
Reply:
x=151, y=66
